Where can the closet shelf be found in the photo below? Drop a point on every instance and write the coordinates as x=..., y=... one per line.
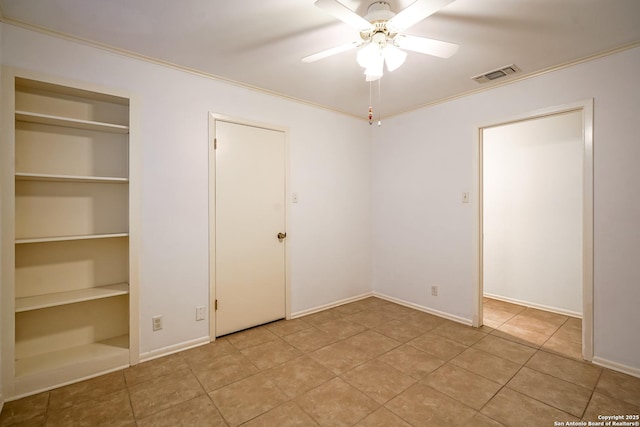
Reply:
x=114, y=349
x=47, y=119
x=70, y=297
x=20, y=176
x=69, y=238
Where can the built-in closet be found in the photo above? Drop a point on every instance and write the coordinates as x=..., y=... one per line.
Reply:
x=67, y=252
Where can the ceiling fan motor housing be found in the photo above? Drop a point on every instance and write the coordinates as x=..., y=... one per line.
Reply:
x=378, y=14
x=379, y=11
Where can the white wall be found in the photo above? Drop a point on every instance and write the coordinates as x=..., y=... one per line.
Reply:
x=532, y=212
x=329, y=229
x=424, y=160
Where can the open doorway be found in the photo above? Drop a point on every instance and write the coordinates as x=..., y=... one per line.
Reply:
x=535, y=228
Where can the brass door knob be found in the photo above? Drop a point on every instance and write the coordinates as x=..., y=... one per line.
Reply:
x=282, y=236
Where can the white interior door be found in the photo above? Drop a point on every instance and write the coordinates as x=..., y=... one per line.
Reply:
x=249, y=214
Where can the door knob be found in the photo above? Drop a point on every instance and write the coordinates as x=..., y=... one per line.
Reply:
x=281, y=236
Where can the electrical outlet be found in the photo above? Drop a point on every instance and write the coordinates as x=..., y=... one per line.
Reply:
x=156, y=322
x=200, y=312
x=466, y=197
x=434, y=291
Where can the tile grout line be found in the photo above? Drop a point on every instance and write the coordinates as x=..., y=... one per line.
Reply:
x=537, y=400
x=420, y=380
x=507, y=382
x=595, y=386
x=340, y=376
x=203, y=387
x=46, y=411
x=127, y=387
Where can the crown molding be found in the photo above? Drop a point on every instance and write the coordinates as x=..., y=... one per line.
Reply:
x=522, y=77
x=199, y=73
x=167, y=64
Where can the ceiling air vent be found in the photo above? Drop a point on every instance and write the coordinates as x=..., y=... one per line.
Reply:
x=496, y=74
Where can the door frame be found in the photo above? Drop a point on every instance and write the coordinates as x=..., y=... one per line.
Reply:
x=213, y=119
x=586, y=108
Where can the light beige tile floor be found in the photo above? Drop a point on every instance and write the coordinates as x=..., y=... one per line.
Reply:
x=368, y=363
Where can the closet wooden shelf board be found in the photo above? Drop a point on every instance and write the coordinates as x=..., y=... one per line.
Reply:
x=70, y=297
x=47, y=119
x=68, y=238
x=20, y=176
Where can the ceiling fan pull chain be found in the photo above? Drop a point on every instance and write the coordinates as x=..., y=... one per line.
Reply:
x=379, y=101
x=370, y=106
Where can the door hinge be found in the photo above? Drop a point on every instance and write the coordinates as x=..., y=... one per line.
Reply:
x=215, y=143
x=215, y=305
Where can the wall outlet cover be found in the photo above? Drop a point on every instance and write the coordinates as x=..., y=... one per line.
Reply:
x=156, y=323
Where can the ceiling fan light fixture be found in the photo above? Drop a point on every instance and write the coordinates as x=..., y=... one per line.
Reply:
x=375, y=68
x=393, y=57
x=373, y=57
x=368, y=55
x=372, y=77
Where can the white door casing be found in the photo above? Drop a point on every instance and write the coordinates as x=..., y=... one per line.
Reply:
x=249, y=199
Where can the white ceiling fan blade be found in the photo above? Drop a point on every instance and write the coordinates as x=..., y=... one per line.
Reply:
x=330, y=52
x=427, y=46
x=344, y=14
x=414, y=13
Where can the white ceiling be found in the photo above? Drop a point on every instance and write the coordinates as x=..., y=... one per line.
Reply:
x=260, y=42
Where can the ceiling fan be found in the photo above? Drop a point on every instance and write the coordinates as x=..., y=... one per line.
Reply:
x=381, y=34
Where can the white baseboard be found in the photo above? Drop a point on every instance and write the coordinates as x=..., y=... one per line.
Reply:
x=176, y=348
x=424, y=309
x=534, y=305
x=330, y=305
x=614, y=366
x=384, y=297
